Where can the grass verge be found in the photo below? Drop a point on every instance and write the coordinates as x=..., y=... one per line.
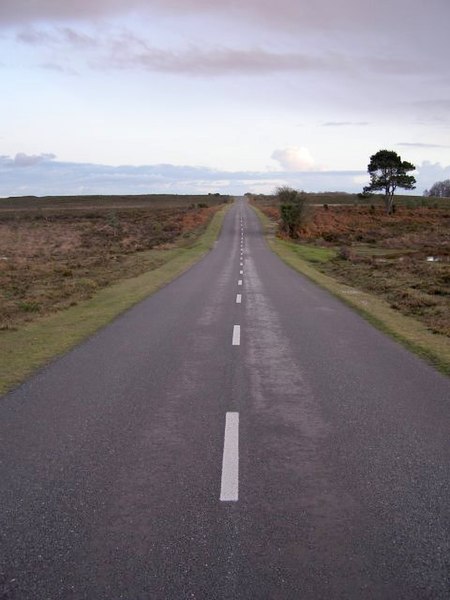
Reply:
x=32, y=346
x=413, y=335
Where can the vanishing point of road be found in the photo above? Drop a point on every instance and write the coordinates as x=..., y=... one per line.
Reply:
x=240, y=434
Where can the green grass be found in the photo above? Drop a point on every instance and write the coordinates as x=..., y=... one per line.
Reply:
x=313, y=254
x=367, y=250
x=412, y=334
x=32, y=346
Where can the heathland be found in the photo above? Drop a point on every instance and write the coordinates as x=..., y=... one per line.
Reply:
x=56, y=252
x=403, y=258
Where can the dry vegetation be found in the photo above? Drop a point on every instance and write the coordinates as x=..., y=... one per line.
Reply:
x=386, y=255
x=54, y=254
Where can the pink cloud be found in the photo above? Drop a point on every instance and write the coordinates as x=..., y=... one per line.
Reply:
x=294, y=158
x=294, y=14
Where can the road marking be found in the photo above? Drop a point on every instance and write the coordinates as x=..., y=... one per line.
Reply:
x=229, y=487
x=238, y=298
x=240, y=282
x=236, y=335
x=241, y=272
x=242, y=264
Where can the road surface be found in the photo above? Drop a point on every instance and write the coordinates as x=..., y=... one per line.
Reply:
x=241, y=434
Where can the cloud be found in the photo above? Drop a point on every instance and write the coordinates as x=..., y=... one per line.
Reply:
x=435, y=111
x=429, y=173
x=294, y=158
x=289, y=14
x=439, y=104
x=50, y=177
x=56, y=37
x=219, y=61
x=51, y=66
x=34, y=37
x=129, y=51
x=421, y=145
x=30, y=160
x=345, y=124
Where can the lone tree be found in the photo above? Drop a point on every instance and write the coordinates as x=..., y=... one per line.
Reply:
x=292, y=209
x=388, y=172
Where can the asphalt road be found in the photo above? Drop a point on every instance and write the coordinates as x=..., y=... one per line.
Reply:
x=200, y=447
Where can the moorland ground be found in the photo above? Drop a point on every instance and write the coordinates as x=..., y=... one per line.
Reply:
x=403, y=258
x=56, y=252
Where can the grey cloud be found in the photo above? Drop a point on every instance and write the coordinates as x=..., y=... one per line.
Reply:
x=345, y=124
x=439, y=104
x=128, y=51
x=292, y=14
x=220, y=61
x=30, y=160
x=57, y=36
x=429, y=173
x=421, y=145
x=53, y=177
x=132, y=52
x=75, y=38
x=57, y=68
x=24, y=11
x=431, y=111
x=396, y=66
x=34, y=37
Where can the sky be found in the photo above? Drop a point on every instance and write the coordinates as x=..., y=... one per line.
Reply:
x=205, y=96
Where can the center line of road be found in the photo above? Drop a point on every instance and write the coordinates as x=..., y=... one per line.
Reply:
x=241, y=272
x=238, y=298
x=229, y=487
x=236, y=335
x=240, y=282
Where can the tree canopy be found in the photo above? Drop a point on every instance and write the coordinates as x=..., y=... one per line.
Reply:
x=292, y=209
x=440, y=189
x=387, y=173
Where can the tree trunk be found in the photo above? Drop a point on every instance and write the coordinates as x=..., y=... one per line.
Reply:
x=389, y=203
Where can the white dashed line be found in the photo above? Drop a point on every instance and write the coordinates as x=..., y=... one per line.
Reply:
x=229, y=487
x=238, y=298
x=241, y=272
x=236, y=335
x=240, y=282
